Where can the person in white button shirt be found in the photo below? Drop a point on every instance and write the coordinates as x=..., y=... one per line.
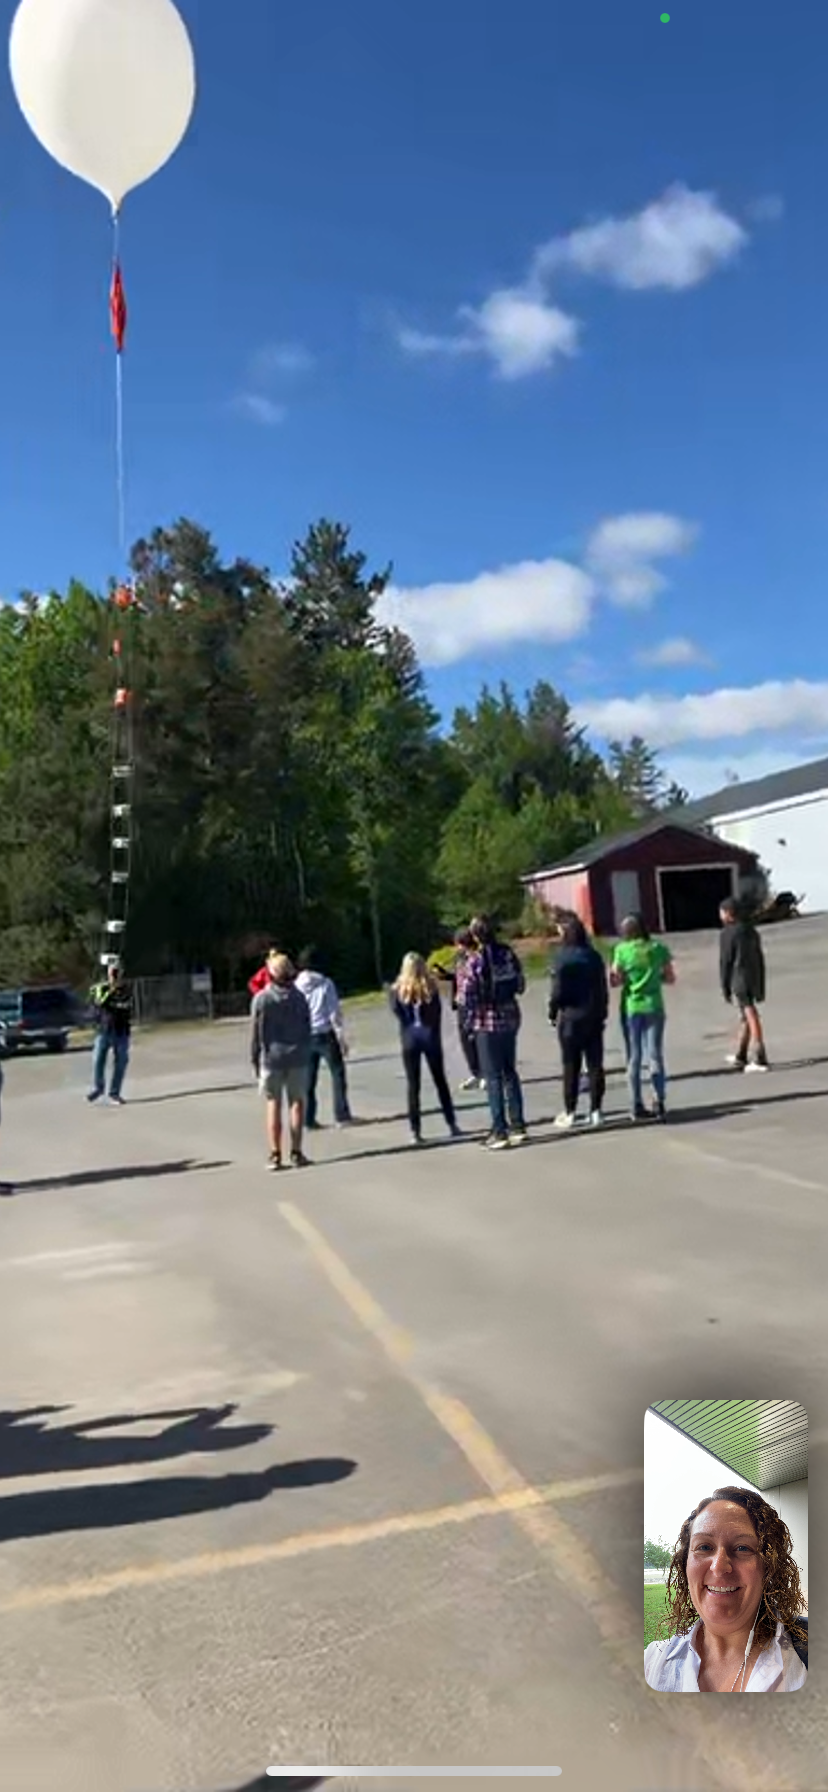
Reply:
x=735, y=1607
x=327, y=1039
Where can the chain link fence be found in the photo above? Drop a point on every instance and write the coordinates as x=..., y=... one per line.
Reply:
x=184, y=996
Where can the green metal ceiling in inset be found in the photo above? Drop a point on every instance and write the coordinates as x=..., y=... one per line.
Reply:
x=764, y=1441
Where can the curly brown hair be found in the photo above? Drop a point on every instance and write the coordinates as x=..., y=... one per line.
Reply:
x=782, y=1598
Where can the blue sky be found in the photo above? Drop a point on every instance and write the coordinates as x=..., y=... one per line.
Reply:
x=533, y=298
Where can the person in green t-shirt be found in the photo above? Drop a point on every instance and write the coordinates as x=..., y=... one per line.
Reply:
x=640, y=968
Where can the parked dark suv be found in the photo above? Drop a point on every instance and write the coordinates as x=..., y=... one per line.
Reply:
x=36, y=1017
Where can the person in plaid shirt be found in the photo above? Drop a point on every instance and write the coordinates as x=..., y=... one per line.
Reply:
x=492, y=983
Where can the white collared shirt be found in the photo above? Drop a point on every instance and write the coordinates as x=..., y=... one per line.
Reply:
x=674, y=1665
x=323, y=1001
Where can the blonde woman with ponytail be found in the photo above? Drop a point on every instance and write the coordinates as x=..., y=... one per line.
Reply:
x=415, y=1001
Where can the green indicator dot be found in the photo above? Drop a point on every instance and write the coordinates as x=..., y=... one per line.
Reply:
x=665, y=18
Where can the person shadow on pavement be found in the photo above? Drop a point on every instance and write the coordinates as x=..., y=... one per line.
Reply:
x=29, y=1446
x=60, y=1510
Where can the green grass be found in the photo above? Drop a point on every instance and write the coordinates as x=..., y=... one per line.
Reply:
x=654, y=1596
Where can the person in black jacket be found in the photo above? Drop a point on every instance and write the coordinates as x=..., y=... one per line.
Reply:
x=112, y=1002
x=578, y=1006
x=742, y=973
x=415, y=1000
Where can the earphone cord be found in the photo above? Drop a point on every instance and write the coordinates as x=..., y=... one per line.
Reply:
x=743, y=1669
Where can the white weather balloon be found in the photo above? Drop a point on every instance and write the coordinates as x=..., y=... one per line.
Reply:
x=107, y=86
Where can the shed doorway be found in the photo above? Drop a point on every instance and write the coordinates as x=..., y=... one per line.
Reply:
x=626, y=896
x=690, y=897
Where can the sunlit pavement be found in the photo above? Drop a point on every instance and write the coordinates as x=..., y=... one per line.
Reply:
x=346, y=1465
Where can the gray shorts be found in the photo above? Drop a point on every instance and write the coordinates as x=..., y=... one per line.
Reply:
x=290, y=1080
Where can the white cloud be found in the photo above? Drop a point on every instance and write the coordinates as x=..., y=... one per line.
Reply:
x=517, y=333
x=702, y=773
x=537, y=601
x=621, y=551
x=420, y=342
x=260, y=409
x=267, y=370
x=776, y=707
x=279, y=358
x=676, y=242
x=677, y=651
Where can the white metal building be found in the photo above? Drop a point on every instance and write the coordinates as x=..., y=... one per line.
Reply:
x=784, y=820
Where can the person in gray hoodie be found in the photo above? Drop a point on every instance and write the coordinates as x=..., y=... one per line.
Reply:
x=327, y=1039
x=280, y=1050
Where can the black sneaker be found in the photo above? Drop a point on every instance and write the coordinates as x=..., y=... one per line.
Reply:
x=274, y=1161
x=299, y=1160
x=639, y=1113
x=94, y=1095
x=498, y=1141
x=659, y=1111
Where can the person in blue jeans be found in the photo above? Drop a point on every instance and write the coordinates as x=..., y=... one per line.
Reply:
x=640, y=968
x=493, y=982
x=112, y=1001
x=327, y=1040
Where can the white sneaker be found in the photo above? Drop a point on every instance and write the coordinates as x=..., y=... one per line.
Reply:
x=756, y=1069
x=735, y=1062
x=481, y=1082
x=565, y=1122
x=596, y=1119
x=469, y=1082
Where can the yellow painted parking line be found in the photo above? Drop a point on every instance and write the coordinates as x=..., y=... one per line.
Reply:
x=257, y=1555
x=569, y=1553
x=730, y=1766
x=305, y=1543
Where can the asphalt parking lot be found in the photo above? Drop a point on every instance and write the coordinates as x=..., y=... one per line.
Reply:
x=345, y=1465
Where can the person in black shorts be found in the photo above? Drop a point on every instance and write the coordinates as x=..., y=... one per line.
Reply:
x=743, y=980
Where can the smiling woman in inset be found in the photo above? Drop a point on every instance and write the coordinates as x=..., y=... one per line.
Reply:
x=734, y=1603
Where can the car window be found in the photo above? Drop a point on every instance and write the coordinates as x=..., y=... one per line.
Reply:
x=45, y=1001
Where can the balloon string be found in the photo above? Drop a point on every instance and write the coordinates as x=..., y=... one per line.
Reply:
x=120, y=472
x=119, y=459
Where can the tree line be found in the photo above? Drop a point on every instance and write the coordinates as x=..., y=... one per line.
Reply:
x=293, y=779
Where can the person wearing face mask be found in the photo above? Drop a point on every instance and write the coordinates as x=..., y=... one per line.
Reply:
x=734, y=1603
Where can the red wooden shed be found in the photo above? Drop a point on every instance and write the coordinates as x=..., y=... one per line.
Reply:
x=674, y=876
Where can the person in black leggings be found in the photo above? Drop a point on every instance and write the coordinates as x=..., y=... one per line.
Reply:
x=415, y=1000
x=578, y=1006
